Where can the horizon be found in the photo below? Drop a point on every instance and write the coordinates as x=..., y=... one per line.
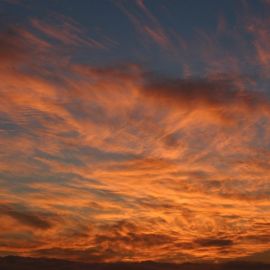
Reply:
x=135, y=130
x=21, y=263
x=17, y=259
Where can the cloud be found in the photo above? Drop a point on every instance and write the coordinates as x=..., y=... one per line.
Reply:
x=209, y=242
x=218, y=96
x=18, y=241
x=121, y=163
x=126, y=235
x=147, y=24
x=12, y=49
x=85, y=254
x=28, y=218
x=66, y=31
x=257, y=257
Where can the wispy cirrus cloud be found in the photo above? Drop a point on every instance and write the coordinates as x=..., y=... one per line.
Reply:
x=146, y=24
x=121, y=164
x=65, y=31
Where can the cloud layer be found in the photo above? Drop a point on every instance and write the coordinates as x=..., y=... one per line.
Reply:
x=121, y=163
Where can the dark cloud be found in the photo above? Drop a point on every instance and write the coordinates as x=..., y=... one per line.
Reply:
x=221, y=95
x=134, y=239
x=115, y=242
x=26, y=217
x=18, y=241
x=212, y=242
x=12, y=47
x=259, y=257
x=194, y=93
x=126, y=234
x=91, y=255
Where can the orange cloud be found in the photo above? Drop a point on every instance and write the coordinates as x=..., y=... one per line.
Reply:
x=108, y=164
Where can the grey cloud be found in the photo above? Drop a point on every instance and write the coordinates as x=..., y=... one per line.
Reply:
x=213, y=242
x=26, y=217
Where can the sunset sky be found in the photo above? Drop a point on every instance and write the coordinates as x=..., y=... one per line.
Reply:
x=135, y=130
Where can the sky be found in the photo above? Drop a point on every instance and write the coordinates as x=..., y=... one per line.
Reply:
x=135, y=130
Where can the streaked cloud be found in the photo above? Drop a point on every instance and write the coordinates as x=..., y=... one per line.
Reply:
x=121, y=163
x=24, y=217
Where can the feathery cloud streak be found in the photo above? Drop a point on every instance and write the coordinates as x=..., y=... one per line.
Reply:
x=121, y=163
